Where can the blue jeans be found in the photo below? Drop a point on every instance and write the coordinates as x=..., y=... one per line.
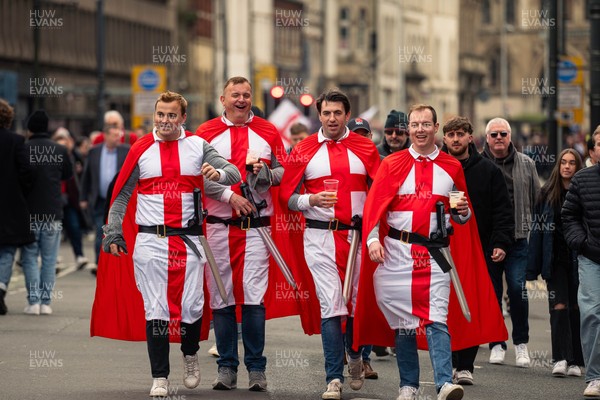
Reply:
x=366, y=352
x=73, y=228
x=333, y=346
x=514, y=265
x=7, y=258
x=40, y=283
x=588, y=299
x=438, y=340
x=253, y=337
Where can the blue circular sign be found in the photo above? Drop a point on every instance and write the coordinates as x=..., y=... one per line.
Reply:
x=567, y=71
x=148, y=79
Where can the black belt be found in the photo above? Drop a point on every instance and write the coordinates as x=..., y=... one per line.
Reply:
x=433, y=245
x=164, y=231
x=332, y=225
x=242, y=223
x=415, y=238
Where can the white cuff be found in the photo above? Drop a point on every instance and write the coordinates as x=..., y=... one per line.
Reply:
x=226, y=195
x=222, y=175
x=303, y=202
x=372, y=240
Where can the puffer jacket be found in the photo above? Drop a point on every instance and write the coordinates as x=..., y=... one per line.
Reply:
x=581, y=213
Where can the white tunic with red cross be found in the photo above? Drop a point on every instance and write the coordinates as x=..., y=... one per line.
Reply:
x=326, y=252
x=241, y=255
x=410, y=287
x=167, y=272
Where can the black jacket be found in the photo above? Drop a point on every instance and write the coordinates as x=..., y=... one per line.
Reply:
x=384, y=148
x=546, y=241
x=17, y=179
x=51, y=164
x=90, y=182
x=489, y=200
x=581, y=213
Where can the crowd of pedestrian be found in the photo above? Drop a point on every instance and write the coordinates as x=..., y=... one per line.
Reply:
x=403, y=245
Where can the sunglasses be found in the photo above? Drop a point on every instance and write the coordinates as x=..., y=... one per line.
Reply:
x=398, y=132
x=495, y=134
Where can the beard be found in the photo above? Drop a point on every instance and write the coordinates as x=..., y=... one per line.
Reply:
x=458, y=152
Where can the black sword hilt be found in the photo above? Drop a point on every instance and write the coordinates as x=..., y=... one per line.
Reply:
x=441, y=231
x=357, y=222
x=248, y=196
x=196, y=220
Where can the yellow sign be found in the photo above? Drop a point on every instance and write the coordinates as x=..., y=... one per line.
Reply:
x=147, y=81
x=264, y=78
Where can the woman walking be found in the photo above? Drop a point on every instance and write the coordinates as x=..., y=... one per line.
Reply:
x=550, y=256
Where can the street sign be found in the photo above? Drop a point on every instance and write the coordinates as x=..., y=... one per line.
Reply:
x=567, y=71
x=147, y=81
x=570, y=90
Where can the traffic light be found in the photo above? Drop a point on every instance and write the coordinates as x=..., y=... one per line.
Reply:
x=306, y=100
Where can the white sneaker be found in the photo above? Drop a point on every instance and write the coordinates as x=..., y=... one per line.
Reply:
x=497, y=355
x=450, y=391
x=160, y=387
x=592, y=389
x=334, y=390
x=560, y=369
x=81, y=262
x=464, y=377
x=574, y=370
x=522, y=356
x=45, y=309
x=191, y=371
x=32, y=309
x=213, y=351
x=407, y=393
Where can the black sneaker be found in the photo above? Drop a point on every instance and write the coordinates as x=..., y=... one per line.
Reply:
x=3, y=308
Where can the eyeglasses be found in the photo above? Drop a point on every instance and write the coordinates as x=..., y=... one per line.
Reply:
x=459, y=135
x=495, y=134
x=398, y=132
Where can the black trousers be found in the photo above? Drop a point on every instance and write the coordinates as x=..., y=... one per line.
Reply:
x=464, y=359
x=564, y=323
x=157, y=338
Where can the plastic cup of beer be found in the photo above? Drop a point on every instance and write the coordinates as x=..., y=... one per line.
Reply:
x=455, y=196
x=331, y=185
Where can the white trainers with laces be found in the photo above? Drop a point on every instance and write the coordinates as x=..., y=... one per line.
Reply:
x=191, y=371
x=522, y=356
x=574, y=370
x=407, y=393
x=32, y=309
x=334, y=390
x=497, y=355
x=160, y=387
x=592, y=389
x=450, y=391
x=560, y=369
x=464, y=377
